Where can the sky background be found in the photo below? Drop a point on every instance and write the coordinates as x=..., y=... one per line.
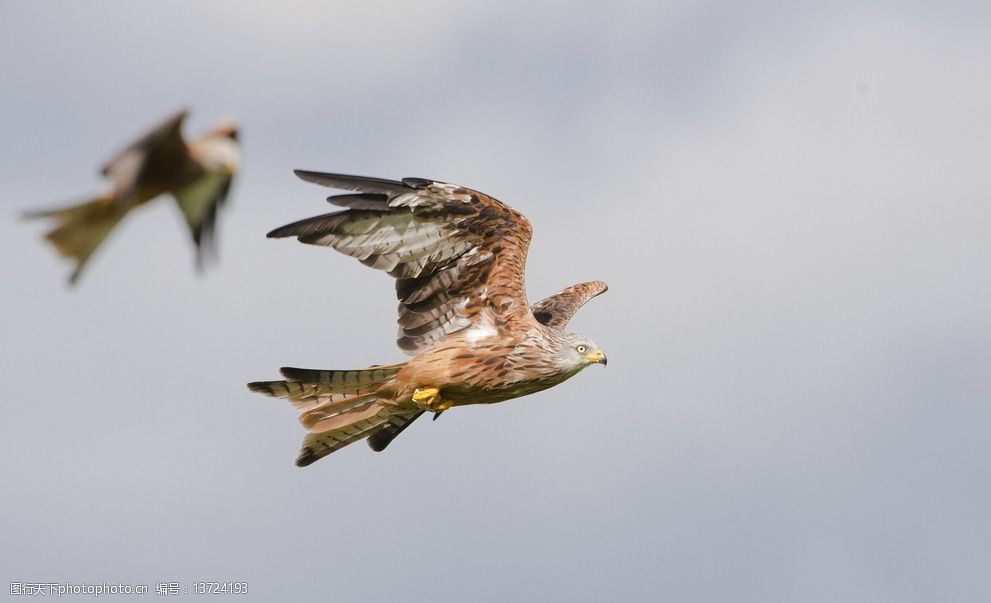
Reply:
x=789, y=203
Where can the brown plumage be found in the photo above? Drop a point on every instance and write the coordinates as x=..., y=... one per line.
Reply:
x=197, y=175
x=458, y=257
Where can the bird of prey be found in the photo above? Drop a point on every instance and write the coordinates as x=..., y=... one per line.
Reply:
x=198, y=175
x=458, y=257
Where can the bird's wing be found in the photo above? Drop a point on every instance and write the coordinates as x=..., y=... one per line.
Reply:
x=158, y=161
x=199, y=201
x=455, y=252
x=557, y=310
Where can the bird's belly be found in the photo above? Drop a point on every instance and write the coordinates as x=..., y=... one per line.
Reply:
x=461, y=396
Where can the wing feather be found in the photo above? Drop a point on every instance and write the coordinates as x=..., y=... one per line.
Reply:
x=455, y=252
x=557, y=310
x=156, y=162
x=199, y=202
x=362, y=184
x=361, y=201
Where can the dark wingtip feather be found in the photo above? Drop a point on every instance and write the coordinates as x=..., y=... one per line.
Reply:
x=364, y=184
x=418, y=182
x=308, y=175
x=318, y=225
x=289, y=230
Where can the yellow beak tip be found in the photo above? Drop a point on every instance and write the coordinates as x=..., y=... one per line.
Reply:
x=597, y=357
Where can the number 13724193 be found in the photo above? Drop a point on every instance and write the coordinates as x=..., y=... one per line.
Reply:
x=220, y=588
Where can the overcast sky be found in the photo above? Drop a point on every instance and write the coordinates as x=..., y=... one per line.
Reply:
x=789, y=203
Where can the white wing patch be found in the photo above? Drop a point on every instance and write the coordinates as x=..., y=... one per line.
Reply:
x=483, y=329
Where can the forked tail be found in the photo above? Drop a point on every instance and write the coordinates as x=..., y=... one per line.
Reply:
x=81, y=228
x=340, y=407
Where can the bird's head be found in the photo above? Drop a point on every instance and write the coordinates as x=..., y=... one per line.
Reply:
x=219, y=149
x=225, y=128
x=576, y=351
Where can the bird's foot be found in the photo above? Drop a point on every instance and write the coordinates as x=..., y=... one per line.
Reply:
x=429, y=399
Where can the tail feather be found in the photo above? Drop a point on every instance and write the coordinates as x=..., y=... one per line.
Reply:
x=379, y=440
x=333, y=413
x=340, y=407
x=318, y=445
x=304, y=396
x=308, y=389
x=81, y=228
x=342, y=381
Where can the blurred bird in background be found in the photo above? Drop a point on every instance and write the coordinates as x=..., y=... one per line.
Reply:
x=198, y=175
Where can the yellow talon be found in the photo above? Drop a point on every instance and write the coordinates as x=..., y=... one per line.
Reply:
x=429, y=399
x=425, y=396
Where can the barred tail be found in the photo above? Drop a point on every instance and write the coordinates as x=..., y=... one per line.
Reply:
x=340, y=407
x=383, y=437
x=368, y=424
x=81, y=228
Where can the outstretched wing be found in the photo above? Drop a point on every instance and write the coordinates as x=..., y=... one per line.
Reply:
x=200, y=201
x=202, y=198
x=455, y=253
x=557, y=310
x=156, y=162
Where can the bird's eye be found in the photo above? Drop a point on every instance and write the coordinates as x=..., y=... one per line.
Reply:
x=581, y=349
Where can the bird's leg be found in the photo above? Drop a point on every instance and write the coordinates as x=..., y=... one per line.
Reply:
x=429, y=399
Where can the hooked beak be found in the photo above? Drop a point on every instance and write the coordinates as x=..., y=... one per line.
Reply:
x=597, y=357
